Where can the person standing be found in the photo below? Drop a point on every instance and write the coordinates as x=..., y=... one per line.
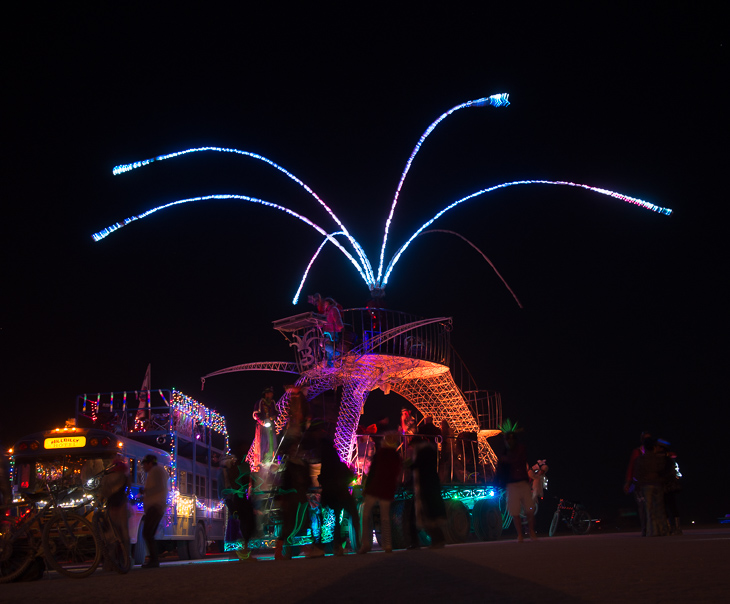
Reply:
x=335, y=478
x=430, y=511
x=115, y=485
x=630, y=485
x=380, y=486
x=265, y=415
x=333, y=325
x=291, y=496
x=672, y=487
x=650, y=470
x=155, y=501
x=512, y=471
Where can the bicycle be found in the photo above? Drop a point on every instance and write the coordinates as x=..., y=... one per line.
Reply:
x=66, y=540
x=114, y=549
x=574, y=515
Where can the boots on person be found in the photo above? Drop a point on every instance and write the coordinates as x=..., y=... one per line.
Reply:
x=677, y=528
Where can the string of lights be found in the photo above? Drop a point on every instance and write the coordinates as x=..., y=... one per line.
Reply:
x=633, y=200
x=115, y=227
x=121, y=169
x=496, y=100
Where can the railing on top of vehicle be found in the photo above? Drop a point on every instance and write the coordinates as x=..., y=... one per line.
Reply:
x=153, y=413
x=458, y=457
x=367, y=331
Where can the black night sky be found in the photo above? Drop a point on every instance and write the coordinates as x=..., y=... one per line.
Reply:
x=624, y=325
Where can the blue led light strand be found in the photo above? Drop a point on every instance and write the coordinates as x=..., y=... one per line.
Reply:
x=311, y=262
x=614, y=194
x=121, y=169
x=110, y=229
x=496, y=100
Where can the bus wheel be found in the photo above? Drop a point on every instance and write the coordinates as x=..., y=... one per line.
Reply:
x=458, y=522
x=487, y=520
x=199, y=545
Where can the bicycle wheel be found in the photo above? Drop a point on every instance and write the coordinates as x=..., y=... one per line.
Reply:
x=554, y=523
x=70, y=545
x=581, y=523
x=113, y=548
x=17, y=551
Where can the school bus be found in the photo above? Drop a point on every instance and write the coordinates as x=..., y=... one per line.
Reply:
x=188, y=439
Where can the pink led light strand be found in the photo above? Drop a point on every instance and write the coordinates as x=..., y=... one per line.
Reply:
x=496, y=100
x=620, y=196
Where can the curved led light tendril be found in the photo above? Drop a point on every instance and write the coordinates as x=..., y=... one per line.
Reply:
x=110, y=229
x=122, y=168
x=483, y=256
x=311, y=262
x=626, y=198
x=496, y=100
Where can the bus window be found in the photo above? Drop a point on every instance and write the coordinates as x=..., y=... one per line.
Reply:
x=23, y=475
x=185, y=483
x=200, y=486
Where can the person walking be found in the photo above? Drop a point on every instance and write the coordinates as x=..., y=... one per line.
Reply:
x=115, y=484
x=512, y=471
x=630, y=484
x=265, y=415
x=380, y=486
x=154, y=492
x=650, y=471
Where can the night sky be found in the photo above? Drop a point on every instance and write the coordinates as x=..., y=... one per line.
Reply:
x=624, y=325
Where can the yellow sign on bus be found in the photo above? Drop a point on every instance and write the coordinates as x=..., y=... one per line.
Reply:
x=64, y=442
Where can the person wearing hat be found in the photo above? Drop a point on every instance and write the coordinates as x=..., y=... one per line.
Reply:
x=265, y=415
x=154, y=495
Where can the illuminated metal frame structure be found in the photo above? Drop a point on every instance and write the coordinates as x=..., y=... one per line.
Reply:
x=410, y=358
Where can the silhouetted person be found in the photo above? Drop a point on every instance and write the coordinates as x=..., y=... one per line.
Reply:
x=430, y=511
x=512, y=471
x=672, y=487
x=155, y=501
x=380, y=486
x=291, y=495
x=630, y=485
x=335, y=478
x=650, y=470
x=265, y=415
x=114, y=487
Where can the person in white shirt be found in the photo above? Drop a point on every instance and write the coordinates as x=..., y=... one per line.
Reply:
x=155, y=500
